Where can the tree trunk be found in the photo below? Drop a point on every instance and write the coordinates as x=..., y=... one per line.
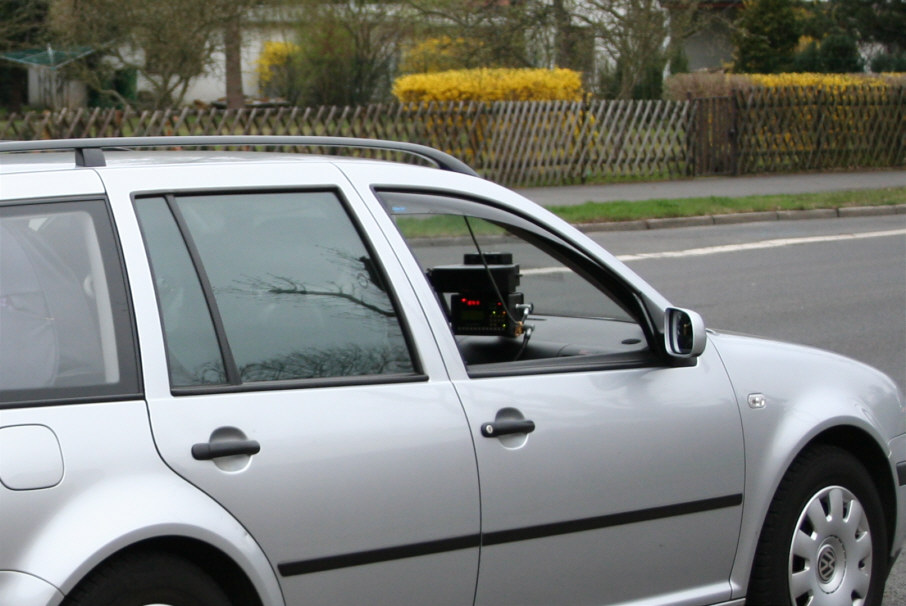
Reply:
x=563, y=50
x=232, y=43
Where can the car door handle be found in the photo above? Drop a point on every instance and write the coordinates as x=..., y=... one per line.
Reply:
x=205, y=451
x=503, y=428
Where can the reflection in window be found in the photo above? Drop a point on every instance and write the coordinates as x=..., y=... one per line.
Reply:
x=296, y=290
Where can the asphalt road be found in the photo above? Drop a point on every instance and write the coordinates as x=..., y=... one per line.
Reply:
x=838, y=284
x=813, y=282
x=797, y=183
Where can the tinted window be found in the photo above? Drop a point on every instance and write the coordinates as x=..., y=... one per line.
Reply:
x=289, y=281
x=65, y=330
x=517, y=297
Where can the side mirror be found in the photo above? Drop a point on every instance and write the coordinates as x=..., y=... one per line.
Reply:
x=684, y=333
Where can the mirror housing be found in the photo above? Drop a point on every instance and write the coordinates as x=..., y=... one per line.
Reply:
x=684, y=333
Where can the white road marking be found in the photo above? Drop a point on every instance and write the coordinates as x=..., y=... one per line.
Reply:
x=541, y=271
x=778, y=243
x=727, y=248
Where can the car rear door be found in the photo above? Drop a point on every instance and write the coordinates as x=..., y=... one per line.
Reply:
x=291, y=375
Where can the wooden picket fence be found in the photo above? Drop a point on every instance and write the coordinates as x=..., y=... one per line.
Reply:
x=549, y=143
x=814, y=129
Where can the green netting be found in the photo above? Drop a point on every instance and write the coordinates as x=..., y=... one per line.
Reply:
x=47, y=57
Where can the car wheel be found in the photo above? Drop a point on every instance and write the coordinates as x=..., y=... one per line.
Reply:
x=824, y=539
x=145, y=579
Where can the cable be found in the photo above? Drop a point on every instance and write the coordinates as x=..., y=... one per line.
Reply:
x=521, y=328
x=487, y=270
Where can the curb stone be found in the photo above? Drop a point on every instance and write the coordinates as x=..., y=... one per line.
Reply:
x=734, y=218
x=864, y=211
x=798, y=215
x=680, y=222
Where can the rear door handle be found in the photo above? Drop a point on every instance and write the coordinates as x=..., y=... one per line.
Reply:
x=503, y=428
x=205, y=451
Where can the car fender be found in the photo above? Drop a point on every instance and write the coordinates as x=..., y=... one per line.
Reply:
x=788, y=396
x=20, y=588
x=116, y=493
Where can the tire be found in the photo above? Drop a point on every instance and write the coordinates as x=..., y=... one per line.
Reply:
x=824, y=541
x=142, y=579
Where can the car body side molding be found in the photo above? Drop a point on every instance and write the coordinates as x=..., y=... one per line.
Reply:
x=607, y=521
x=375, y=556
x=500, y=537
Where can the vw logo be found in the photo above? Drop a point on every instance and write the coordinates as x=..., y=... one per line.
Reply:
x=827, y=563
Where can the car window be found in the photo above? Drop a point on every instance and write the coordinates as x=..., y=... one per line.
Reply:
x=515, y=296
x=263, y=287
x=65, y=326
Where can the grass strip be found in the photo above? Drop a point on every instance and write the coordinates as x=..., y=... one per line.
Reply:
x=606, y=212
x=596, y=212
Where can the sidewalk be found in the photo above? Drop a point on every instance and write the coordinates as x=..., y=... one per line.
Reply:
x=799, y=183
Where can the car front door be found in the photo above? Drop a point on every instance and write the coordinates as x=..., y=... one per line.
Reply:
x=298, y=393
x=607, y=475
x=629, y=487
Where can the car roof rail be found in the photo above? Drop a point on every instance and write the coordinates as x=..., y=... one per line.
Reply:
x=90, y=152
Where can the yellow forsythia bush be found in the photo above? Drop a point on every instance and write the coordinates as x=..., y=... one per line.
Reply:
x=274, y=55
x=828, y=82
x=490, y=84
x=818, y=118
x=695, y=85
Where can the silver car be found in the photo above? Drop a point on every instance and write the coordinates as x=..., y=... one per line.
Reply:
x=255, y=378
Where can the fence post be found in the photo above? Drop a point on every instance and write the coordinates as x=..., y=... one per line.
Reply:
x=585, y=137
x=712, y=135
x=899, y=112
x=692, y=136
x=733, y=135
x=743, y=131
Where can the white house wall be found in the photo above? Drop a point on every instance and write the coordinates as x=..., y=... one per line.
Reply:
x=212, y=85
x=45, y=89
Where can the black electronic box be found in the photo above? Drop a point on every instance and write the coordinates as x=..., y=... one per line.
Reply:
x=476, y=307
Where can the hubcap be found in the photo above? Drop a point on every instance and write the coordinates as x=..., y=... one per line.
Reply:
x=830, y=554
x=831, y=564
x=827, y=563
